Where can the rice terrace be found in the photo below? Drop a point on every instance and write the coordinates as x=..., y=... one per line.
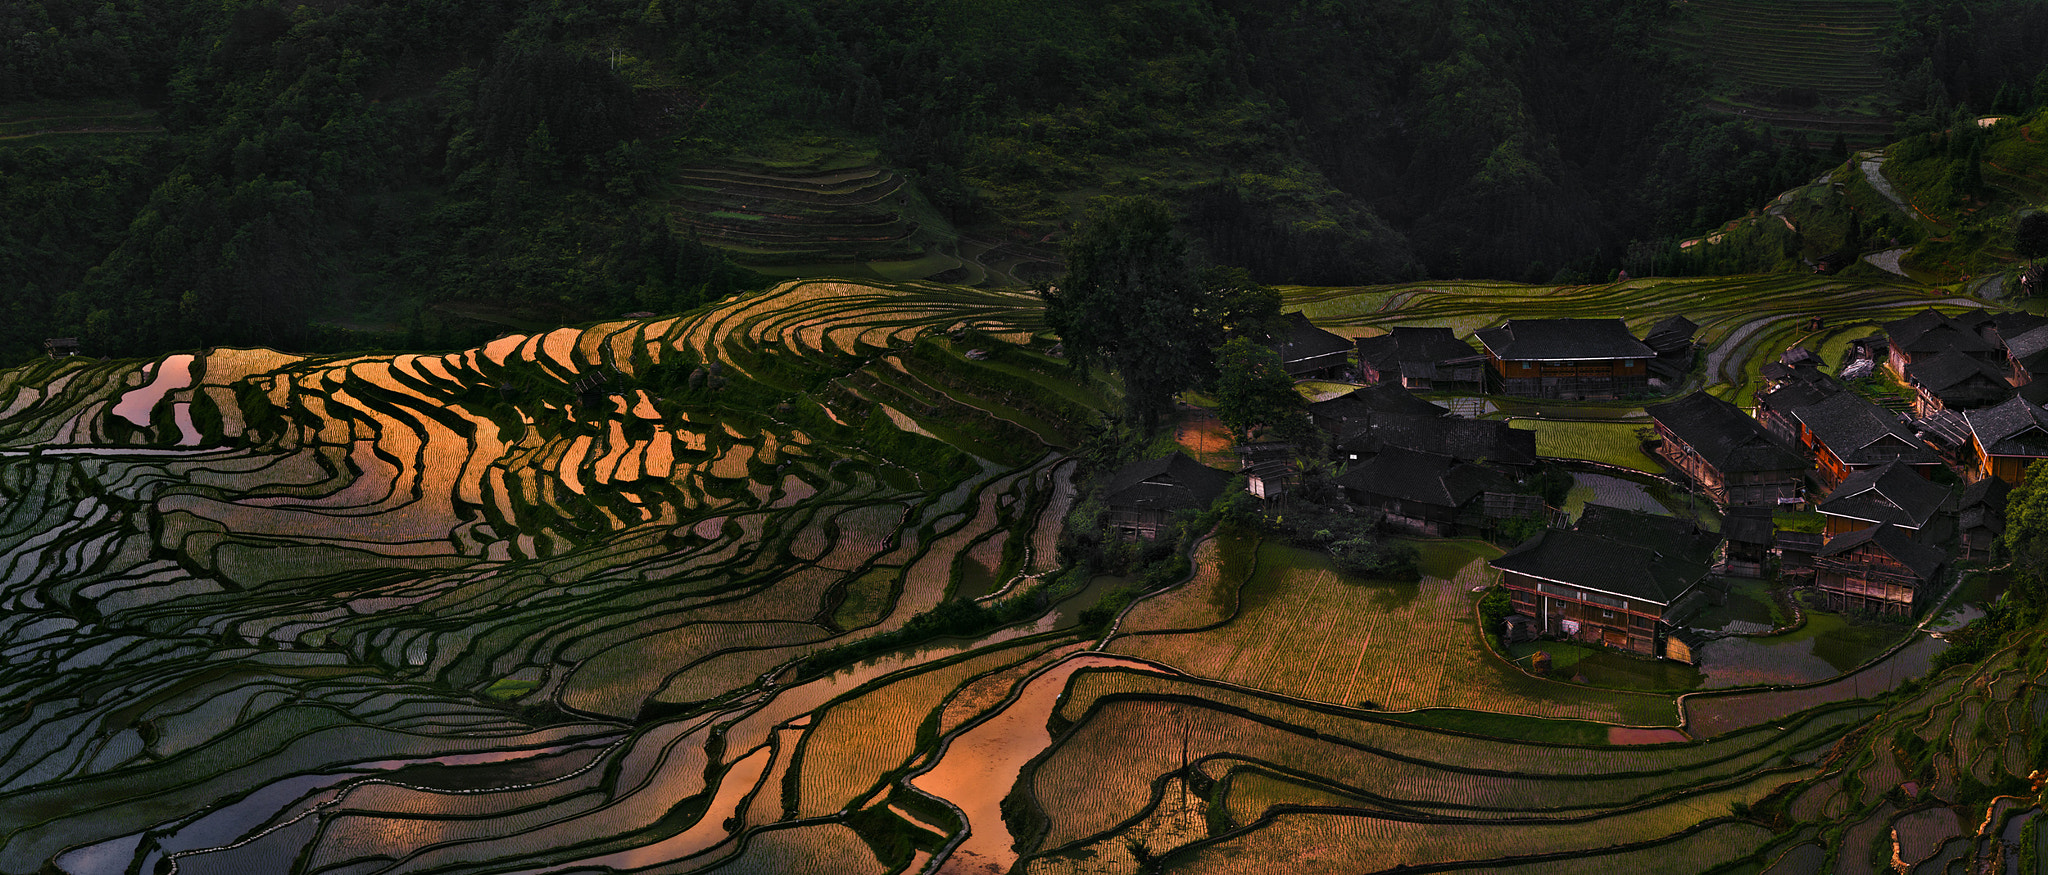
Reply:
x=383, y=613
x=1119, y=437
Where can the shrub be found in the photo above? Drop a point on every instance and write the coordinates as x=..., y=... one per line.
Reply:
x=1376, y=558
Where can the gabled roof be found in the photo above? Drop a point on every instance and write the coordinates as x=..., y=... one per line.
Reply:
x=1670, y=535
x=1888, y=493
x=2015, y=428
x=1748, y=525
x=1304, y=347
x=1360, y=404
x=1467, y=440
x=1424, y=478
x=1563, y=340
x=2008, y=324
x=1671, y=327
x=1928, y=332
x=1895, y=542
x=2025, y=348
x=1800, y=356
x=1168, y=484
x=1948, y=371
x=1989, y=492
x=1725, y=436
x=1387, y=351
x=1862, y=433
x=1595, y=562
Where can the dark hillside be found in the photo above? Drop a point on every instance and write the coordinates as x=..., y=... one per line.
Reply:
x=365, y=173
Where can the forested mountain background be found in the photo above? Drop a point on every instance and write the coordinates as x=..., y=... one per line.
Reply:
x=180, y=173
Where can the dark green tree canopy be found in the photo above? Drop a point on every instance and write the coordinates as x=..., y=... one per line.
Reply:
x=2030, y=236
x=1133, y=299
x=1253, y=389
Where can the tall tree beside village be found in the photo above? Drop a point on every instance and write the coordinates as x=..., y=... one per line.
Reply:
x=1253, y=389
x=2030, y=237
x=1133, y=299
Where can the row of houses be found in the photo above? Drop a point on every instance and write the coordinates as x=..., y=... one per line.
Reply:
x=1535, y=358
x=1892, y=521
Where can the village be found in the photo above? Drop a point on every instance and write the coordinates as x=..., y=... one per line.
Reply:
x=1865, y=492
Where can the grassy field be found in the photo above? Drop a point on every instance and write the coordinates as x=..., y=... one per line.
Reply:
x=1612, y=443
x=1306, y=630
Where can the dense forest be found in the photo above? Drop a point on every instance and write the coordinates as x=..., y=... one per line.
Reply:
x=430, y=172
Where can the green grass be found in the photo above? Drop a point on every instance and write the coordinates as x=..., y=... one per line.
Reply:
x=1607, y=668
x=1506, y=726
x=507, y=689
x=1749, y=601
x=1842, y=641
x=1614, y=443
x=1305, y=630
x=1808, y=522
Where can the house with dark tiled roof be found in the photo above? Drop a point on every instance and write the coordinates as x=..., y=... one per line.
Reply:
x=1882, y=569
x=1731, y=457
x=1747, y=536
x=1889, y=494
x=1422, y=359
x=1141, y=498
x=1981, y=517
x=1788, y=388
x=1955, y=381
x=1566, y=358
x=2007, y=438
x=2026, y=356
x=1847, y=434
x=1422, y=493
x=1337, y=415
x=1672, y=340
x=1488, y=441
x=1620, y=578
x=1929, y=333
x=1307, y=352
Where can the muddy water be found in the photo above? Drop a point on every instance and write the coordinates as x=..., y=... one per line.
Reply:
x=982, y=763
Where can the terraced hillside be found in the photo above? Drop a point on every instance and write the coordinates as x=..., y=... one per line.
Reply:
x=840, y=214
x=1809, y=65
x=575, y=602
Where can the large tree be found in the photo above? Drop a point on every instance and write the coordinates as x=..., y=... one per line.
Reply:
x=1253, y=389
x=1133, y=299
x=2030, y=236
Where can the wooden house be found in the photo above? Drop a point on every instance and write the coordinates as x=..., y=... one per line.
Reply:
x=1422, y=493
x=1566, y=358
x=2026, y=356
x=1624, y=582
x=1928, y=333
x=1672, y=340
x=1882, y=569
x=1142, y=497
x=1421, y=359
x=2007, y=438
x=1747, y=537
x=1847, y=434
x=1889, y=494
x=1308, y=352
x=1731, y=457
x=1981, y=518
x=1488, y=441
x=1956, y=381
x=61, y=346
x=1337, y=415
